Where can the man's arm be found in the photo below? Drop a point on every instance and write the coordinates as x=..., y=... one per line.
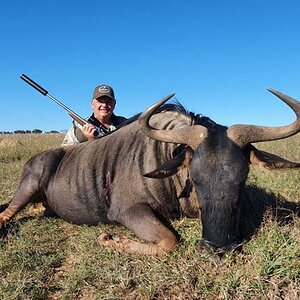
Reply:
x=74, y=136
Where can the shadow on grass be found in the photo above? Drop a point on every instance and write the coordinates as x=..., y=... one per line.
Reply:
x=259, y=201
x=12, y=228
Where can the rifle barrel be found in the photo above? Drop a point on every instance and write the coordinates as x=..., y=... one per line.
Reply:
x=71, y=112
x=44, y=92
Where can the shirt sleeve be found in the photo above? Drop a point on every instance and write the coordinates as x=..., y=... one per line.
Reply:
x=74, y=136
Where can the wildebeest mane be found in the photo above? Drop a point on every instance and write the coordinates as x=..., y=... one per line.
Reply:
x=176, y=106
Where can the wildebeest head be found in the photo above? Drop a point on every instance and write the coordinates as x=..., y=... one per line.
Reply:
x=219, y=161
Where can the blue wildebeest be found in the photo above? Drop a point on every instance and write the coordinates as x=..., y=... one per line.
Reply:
x=156, y=168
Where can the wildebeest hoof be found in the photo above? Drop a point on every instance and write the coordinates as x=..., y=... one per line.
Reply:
x=104, y=238
x=2, y=231
x=2, y=227
x=36, y=209
x=107, y=239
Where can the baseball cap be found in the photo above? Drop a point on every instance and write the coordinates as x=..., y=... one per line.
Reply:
x=103, y=90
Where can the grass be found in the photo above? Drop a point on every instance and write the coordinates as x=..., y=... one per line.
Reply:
x=47, y=258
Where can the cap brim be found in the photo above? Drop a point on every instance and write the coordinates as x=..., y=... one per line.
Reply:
x=101, y=96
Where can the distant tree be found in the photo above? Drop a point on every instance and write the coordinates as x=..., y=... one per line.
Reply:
x=37, y=131
x=52, y=131
x=28, y=131
x=19, y=131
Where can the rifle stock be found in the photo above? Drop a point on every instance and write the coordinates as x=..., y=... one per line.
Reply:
x=78, y=119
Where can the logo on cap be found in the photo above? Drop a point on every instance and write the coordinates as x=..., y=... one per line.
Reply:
x=104, y=89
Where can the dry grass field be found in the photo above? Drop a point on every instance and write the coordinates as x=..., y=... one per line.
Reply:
x=48, y=258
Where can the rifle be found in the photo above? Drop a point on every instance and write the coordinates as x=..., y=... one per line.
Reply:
x=44, y=92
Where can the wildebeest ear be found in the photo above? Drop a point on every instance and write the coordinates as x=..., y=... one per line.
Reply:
x=270, y=161
x=173, y=165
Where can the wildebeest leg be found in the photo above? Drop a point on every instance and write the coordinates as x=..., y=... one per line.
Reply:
x=27, y=192
x=143, y=222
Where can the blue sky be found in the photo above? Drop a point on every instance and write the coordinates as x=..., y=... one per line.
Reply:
x=217, y=56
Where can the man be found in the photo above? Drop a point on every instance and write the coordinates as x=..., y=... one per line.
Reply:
x=103, y=120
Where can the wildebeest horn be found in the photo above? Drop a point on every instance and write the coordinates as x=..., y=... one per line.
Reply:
x=191, y=135
x=246, y=134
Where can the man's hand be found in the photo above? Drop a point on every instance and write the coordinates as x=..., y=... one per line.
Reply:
x=88, y=130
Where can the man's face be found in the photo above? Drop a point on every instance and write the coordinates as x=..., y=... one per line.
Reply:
x=103, y=107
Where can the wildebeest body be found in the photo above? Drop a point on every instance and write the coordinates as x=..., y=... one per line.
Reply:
x=153, y=170
x=105, y=177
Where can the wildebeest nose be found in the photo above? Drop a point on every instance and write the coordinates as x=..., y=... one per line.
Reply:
x=210, y=247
